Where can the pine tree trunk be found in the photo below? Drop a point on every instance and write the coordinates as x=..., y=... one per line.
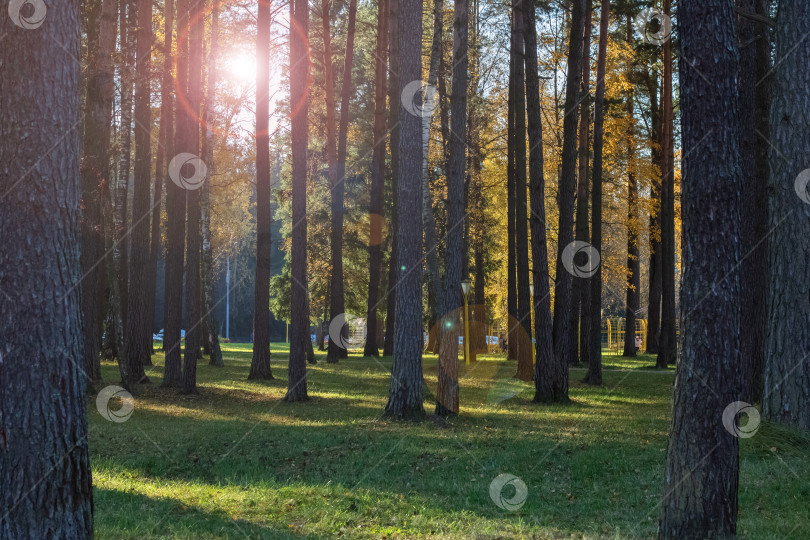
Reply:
x=394, y=99
x=787, y=368
x=138, y=322
x=754, y=89
x=580, y=312
x=568, y=185
x=44, y=458
x=210, y=325
x=428, y=219
x=524, y=344
x=337, y=297
x=654, y=303
x=511, y=198
x=702, y=456
x=594, y=374
x=405, y=394
x=191, y=353
x=260, y=363
x=300, y=342
x=550, y=371
x=176, y=218
x=447, y=395
x=372, y=347
x=164, y=153
x=129, y=23
x=667, y=345
x=95, y=174
x=633, y=260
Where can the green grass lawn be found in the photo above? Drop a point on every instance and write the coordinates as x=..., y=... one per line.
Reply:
x=236, y=462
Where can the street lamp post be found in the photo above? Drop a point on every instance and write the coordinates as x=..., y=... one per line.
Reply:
x=465, y=288
x=531, y=317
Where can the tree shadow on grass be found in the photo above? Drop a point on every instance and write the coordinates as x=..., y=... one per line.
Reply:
x=165, y=517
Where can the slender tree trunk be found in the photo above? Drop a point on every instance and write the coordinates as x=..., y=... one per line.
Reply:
x=405, y=394
x=594, y=374
x=138, y=324
x=95, y=174
x=193, y=240
x=394, y=99
x=511, y=201
x=633, y=254
x=447, y=395
x=568, y=185
x=787, y=368
x=337, y=298
x=211, y=327
x=129, y=24
x=428, y=219
x=260, y=363
x=550, y=371
x=164, y=153
x=580, y=313
x=44, y=459
x=299, y=298
x=524, y=353
x=754, y=89
x=667, y=345
x=654, y=303
x=372, y=347
x=702, y=471
x=176, y=217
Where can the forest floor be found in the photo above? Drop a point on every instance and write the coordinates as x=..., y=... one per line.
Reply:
x=237, y=462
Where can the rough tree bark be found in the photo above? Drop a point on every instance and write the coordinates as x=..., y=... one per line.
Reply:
x=702, y=456
x=405, y=394
x=299, y=298
x=787, y=369
x=260, y=363
x=594, y=374
x=754, y=89
x=44, y=458
x=372, y=347
x=550, y=371
x=447, y=394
